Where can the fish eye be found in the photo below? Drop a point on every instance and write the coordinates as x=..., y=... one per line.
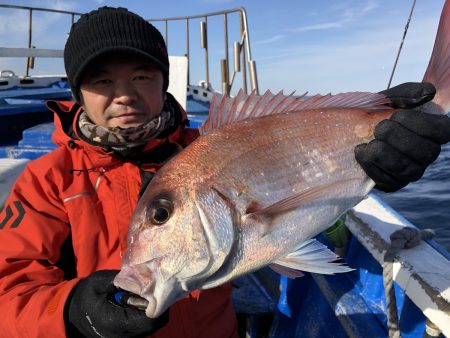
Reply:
x=160, y=211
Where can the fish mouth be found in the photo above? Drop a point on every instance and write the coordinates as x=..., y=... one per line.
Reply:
x=128, y=299
x=140, y=295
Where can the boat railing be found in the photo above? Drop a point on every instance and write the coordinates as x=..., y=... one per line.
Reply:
x=30, y=52
x=241, y=48
x=242, y=63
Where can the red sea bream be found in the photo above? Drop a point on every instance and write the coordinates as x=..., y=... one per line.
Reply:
x=267, y=174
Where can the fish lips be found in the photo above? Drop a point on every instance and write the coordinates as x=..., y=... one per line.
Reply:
x=137, y=282
x=140, y=281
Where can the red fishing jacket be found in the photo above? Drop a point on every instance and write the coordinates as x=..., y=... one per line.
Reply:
x=66, y=217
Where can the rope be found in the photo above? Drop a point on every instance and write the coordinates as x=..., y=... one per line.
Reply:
x=404, y=238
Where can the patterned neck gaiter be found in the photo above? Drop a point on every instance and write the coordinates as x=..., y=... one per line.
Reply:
x=124, y=138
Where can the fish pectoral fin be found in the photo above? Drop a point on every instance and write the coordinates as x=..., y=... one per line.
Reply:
x=310, y=256
x=268, y=214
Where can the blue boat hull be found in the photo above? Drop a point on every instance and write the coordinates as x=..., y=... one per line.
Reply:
x=343, y=305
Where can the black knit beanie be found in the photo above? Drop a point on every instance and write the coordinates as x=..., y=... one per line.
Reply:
x=108, y=30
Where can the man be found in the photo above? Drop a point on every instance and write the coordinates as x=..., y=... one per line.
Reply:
x=58, y=263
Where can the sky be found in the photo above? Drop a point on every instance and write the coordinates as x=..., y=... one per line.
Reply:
x=317, y=46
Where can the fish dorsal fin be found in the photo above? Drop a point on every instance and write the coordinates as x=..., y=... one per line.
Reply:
x=227, y=110
x=309, y=256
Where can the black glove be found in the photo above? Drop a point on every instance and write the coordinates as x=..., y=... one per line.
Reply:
x=407, y=143
x=91, y=311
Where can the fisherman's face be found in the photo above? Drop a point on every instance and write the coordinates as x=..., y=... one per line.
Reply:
x=122, y=91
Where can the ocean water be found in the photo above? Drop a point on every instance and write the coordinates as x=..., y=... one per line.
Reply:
x=426, y=203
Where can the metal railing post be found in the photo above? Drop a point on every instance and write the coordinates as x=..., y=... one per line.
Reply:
x=30, y=33
x=187, y=51
x=204, y=44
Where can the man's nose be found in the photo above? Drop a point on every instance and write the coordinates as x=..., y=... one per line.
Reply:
x=125, y=93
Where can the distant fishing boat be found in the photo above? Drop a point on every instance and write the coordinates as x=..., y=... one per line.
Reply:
x=267, y=304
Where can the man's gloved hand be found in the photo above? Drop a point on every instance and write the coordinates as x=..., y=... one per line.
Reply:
x=407, y=143
x=91, y=311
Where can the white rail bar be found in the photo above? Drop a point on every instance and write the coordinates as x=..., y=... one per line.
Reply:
x=422, y=272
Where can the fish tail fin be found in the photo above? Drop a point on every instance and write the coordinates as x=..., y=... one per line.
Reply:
x=438, y=70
